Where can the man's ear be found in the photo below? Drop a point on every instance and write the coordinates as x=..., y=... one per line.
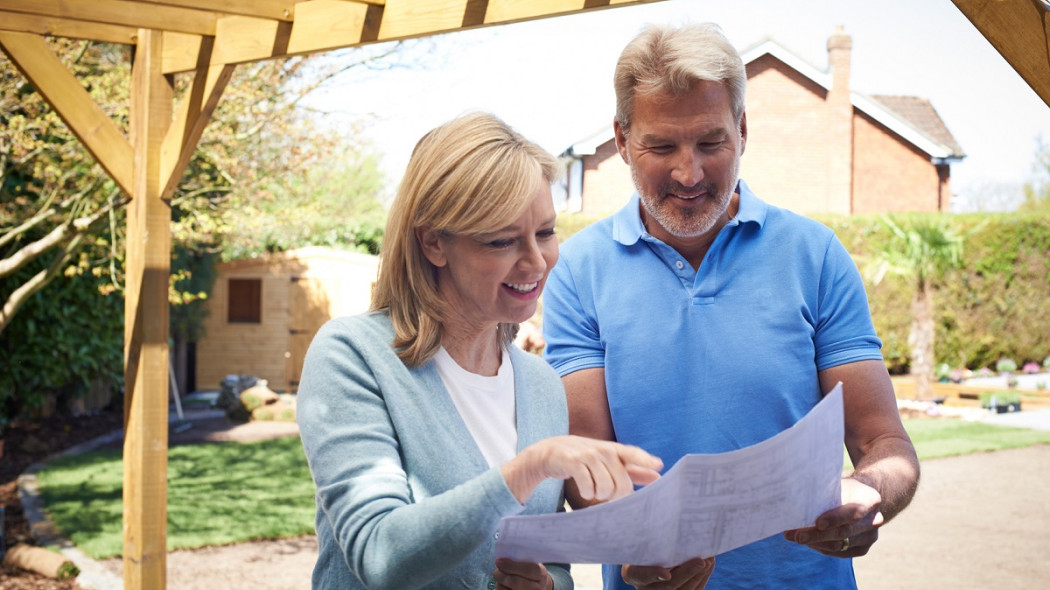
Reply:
x=621, y=140
x=432, y=246
x=743, y=131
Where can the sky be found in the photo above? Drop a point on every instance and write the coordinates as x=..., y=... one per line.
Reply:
x=551, y=79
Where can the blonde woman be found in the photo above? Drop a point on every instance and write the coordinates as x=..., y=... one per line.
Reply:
x=422, y=423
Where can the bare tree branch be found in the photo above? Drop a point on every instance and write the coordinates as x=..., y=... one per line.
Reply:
x=38, y=282
x=69, y=230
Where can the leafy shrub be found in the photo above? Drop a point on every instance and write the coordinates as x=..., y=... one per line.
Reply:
x=65, y=343
x=1006, y=365
x=991, y=308
x=1001, y=398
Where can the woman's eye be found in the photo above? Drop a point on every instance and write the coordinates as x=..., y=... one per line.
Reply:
x=546, y=233
x=503, y=243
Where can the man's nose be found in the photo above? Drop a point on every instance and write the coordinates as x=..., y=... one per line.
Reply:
x=688, y=167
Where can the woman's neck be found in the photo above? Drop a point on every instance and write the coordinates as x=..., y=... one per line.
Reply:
x=477, y=351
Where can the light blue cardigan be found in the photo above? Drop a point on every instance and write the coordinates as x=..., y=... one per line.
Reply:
x=405, y=498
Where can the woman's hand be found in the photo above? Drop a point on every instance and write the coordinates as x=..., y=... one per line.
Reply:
x=601, y=470
x=519, y=575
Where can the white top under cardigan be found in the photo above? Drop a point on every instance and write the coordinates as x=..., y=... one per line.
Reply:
x=485, y=403
x=405, y=499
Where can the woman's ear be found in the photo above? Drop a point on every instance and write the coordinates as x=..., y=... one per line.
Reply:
x=432, y=246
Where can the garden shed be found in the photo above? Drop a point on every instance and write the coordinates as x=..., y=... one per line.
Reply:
x=264, y=311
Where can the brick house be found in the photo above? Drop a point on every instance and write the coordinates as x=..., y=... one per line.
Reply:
x=814, y=145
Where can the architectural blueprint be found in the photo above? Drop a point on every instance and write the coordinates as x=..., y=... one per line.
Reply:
x=703, y=506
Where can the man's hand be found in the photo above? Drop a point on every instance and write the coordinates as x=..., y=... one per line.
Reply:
x=848, y=530
x=691, y=575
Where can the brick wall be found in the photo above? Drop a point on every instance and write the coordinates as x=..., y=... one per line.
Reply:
x=786, y=160
x=890, y=175
x=607, y=181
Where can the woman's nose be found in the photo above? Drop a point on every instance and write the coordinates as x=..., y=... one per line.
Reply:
x=532, y=256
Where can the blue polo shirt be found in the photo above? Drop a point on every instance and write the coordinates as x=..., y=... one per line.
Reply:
x=713, y=360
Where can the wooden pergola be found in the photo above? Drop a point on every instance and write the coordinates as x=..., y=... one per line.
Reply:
x=208, y=38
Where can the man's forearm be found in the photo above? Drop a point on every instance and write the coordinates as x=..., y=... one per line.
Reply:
x=892, y=468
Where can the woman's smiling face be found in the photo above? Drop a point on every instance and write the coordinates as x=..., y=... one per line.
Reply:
x=496, y=277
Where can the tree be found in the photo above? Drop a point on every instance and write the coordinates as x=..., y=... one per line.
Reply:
x=54, y=199
x=62, y=217
x=923, y=250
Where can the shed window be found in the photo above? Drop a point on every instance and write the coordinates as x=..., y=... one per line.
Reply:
x=245, y=301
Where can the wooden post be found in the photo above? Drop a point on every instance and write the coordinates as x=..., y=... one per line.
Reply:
x=146, y=326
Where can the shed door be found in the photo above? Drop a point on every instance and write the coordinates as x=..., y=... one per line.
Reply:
x=309, y=309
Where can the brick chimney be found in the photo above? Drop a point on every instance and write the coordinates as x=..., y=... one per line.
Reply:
x=840, y=125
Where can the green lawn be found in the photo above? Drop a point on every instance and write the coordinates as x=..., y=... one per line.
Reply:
x=217, y=494
x=233, y=492
x=946, y=437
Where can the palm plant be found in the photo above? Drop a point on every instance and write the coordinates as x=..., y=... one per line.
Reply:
x=922, y=251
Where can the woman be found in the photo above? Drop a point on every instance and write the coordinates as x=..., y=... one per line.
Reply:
x=422, y=423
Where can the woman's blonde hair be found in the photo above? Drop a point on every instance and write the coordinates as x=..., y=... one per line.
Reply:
x=469, y=176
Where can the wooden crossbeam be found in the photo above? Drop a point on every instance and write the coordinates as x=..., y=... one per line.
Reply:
x=323, y=25
x=99, y=134
x=275, y=9
x=121, y=12
x=1020, y=31
x=63, y=27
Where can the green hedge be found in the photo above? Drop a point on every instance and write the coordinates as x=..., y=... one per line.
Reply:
x=997, y=306
x=65, y=343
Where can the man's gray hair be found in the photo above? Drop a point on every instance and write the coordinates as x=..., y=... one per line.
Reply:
x=667, y=59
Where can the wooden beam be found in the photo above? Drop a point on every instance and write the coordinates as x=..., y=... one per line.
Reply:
x=323, y=25
x=328, y=24
x=62, y=27
x=193, y=115
x=147, y=267
x=99, y=134
x=275, y=9
x=1020, y=31
x=120, y=12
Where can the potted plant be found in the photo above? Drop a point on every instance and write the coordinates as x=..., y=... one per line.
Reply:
x=1001, y=402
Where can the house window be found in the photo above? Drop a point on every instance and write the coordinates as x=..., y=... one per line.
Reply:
x=244, y=301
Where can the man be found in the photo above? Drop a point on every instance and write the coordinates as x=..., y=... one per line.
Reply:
x=699, y=319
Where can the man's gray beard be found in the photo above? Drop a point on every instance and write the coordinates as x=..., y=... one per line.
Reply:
x=693, y=226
